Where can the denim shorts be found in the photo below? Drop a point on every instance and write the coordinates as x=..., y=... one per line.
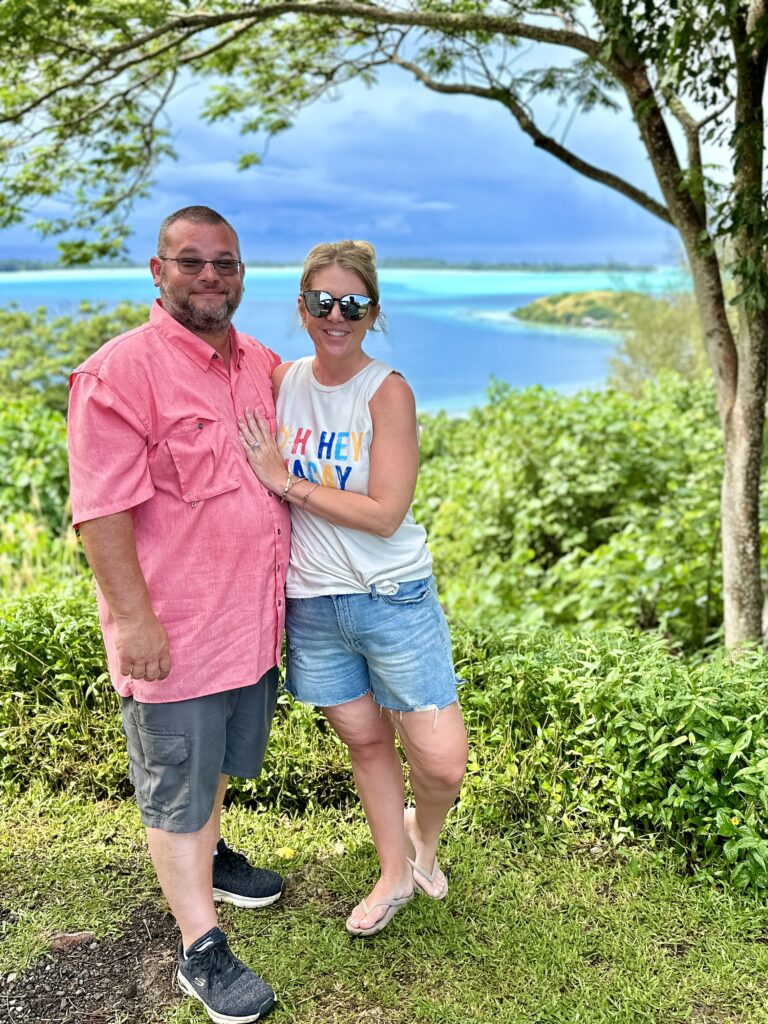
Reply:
x=178, y=751
x=396, y=647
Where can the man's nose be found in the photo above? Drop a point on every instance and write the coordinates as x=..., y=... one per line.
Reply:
x=209, y=274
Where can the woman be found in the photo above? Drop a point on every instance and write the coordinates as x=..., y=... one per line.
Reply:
x=365, y=629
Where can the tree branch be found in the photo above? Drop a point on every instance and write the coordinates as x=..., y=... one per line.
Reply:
x=182, y=28
x=540, y=139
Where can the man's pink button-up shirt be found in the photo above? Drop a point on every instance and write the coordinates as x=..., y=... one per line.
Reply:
x=153, y=428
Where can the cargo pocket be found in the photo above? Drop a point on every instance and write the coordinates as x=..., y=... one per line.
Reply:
x=206, y=462
x=162, y=781
x=413, y=592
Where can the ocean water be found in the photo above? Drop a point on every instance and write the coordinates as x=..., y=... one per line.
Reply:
x=449, y=331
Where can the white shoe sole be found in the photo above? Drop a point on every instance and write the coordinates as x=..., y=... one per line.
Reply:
x=248, y=902
x=218, y=1018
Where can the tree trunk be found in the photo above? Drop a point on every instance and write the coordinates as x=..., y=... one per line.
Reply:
x=740, y=505
x=740, y=384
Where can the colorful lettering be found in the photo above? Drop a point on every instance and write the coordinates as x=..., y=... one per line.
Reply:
x=343, y=475
x=357, y=443
x=342, y=444
x=312, y=473
x=300, y=441
x=298, y=469
x=325, y=444
x=327, y=478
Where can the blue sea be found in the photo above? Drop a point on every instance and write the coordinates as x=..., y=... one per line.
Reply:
x=450, y=331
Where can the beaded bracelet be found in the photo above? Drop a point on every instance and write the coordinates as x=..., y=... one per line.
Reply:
x=291, y=480
x=306, y=496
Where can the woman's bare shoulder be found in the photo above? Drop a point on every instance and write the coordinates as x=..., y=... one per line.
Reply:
x=277, y=376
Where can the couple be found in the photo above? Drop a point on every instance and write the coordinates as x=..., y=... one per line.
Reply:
x=182, y=495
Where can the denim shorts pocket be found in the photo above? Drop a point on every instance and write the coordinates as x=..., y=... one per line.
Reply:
x=162, y=780
x=413, y=592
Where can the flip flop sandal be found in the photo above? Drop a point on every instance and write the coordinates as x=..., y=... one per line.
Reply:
x=392, y=908
x=419, y=873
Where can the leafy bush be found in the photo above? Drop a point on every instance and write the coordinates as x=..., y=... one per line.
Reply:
x=607, y=731
x=60, y=716
x=37, y=544
x=604, y=732
x=657, y=335
x=587, y=510
x=38, y=352
x=33, y=440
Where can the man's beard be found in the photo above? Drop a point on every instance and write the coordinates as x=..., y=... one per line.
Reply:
x=196, y=318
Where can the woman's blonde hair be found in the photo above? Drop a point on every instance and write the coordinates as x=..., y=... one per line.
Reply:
x=356, y=256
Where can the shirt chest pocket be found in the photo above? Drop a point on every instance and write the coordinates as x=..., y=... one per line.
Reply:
x=204, y=459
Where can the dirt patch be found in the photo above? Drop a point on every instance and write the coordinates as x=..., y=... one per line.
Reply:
x=104, y=982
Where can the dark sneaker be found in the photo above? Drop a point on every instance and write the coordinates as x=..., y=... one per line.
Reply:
x=229, y=991
x=235, y=881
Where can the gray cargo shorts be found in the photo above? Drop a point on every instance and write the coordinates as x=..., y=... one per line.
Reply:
x=178, y=751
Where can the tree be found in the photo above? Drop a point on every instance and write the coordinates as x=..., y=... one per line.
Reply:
x=86, y=85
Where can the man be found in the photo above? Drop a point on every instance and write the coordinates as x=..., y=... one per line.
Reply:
x=189, y=552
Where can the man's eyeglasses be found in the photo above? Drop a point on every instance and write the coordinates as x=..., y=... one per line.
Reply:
x=191, y=266
x=351, y=307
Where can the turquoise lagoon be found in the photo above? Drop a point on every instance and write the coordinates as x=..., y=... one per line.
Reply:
x=449, y=331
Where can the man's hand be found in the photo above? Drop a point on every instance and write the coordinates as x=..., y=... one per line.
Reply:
x=142, y=647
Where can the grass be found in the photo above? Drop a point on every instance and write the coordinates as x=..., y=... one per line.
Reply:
x=537, y=935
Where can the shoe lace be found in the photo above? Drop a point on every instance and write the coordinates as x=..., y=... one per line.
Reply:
x=220, y=964
x=234, y=857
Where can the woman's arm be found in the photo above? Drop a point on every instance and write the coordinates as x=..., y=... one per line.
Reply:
x=393, y=472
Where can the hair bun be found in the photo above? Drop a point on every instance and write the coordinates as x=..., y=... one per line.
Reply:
x=367, y=248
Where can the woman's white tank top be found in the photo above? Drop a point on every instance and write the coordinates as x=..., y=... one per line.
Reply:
x=325, y=435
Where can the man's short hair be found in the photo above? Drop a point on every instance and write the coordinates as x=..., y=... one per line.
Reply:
x=197, y=215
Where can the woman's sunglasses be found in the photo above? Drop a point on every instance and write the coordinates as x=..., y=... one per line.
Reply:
x=351, y=307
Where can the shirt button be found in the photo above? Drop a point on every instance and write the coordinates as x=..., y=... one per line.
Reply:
x=279, y=531
x=199, y=426
x=194, y=504
x=279, y=603
x=269, y=494
x=215, y=355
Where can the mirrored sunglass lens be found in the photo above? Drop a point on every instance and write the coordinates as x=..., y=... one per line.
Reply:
x=354, y=307
x=318, y=303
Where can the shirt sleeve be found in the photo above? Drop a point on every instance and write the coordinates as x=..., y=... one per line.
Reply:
x=108, y=466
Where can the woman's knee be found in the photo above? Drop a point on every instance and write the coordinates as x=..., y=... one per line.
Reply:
x=441, y=772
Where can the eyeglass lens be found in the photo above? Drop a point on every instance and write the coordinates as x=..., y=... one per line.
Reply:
x=320, y=304
x=189, y=265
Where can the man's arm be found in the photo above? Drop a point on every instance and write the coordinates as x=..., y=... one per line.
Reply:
x=140, y=639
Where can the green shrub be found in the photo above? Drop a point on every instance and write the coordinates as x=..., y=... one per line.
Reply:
x=583, y=511
x=60, y=716
x=35, y=479
x=38, y=352
x=604, y=732
x=607, y=731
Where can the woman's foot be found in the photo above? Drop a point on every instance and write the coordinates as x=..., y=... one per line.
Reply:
x=426, y=871
x=376, y=906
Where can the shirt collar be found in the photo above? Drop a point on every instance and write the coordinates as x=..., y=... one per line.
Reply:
x=188, y=342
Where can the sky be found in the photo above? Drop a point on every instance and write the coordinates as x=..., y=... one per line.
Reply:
x=416, y=173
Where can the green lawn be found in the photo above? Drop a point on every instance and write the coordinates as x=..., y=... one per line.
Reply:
x=524, y=937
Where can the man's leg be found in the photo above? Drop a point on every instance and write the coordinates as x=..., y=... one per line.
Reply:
x=183, y=864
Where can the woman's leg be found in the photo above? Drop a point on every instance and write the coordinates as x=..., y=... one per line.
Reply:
x=370, y=737
x=435, y=744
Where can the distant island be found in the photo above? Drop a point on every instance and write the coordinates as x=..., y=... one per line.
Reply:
x=604, y=309
x=394, y=263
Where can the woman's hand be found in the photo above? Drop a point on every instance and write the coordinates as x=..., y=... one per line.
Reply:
x=262, y=452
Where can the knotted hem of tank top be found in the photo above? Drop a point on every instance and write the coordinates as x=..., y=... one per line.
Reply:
x=398, y=711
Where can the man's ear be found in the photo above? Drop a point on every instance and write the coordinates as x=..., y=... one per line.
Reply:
x=155, y=268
